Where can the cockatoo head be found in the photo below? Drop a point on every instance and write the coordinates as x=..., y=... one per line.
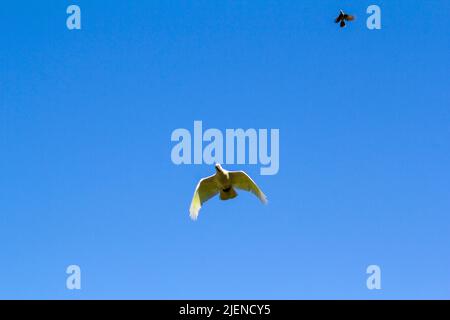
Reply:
x=218, y=167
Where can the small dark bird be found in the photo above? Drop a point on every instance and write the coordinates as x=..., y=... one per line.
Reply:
x=343, y=17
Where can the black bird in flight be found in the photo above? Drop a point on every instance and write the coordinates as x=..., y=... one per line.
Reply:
x=343, y=17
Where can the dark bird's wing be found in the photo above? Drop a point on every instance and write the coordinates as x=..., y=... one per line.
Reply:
x=339, y=18
x=349, y=17
x=342, y=23
x=240, y=180
x=206, y=189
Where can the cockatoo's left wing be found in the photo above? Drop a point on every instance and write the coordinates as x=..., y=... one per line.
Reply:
x=241, y=180
x=339, y=18
x=205, y=190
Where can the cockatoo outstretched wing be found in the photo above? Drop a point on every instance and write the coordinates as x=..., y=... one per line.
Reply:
x=339, y=18
x=205, y=190
x=241, y=180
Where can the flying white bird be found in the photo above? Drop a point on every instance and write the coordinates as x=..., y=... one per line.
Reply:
x=223, y=182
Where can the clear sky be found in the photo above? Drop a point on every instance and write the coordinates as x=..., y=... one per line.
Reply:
x=86, y=176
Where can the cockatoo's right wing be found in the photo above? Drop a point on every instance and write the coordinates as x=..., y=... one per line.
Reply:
x=241, y=180
x=339, y=18
x=205, y=190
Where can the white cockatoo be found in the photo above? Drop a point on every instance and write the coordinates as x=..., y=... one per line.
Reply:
x=223, y=182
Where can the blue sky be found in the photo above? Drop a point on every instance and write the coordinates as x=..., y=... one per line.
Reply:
x=86, y=176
